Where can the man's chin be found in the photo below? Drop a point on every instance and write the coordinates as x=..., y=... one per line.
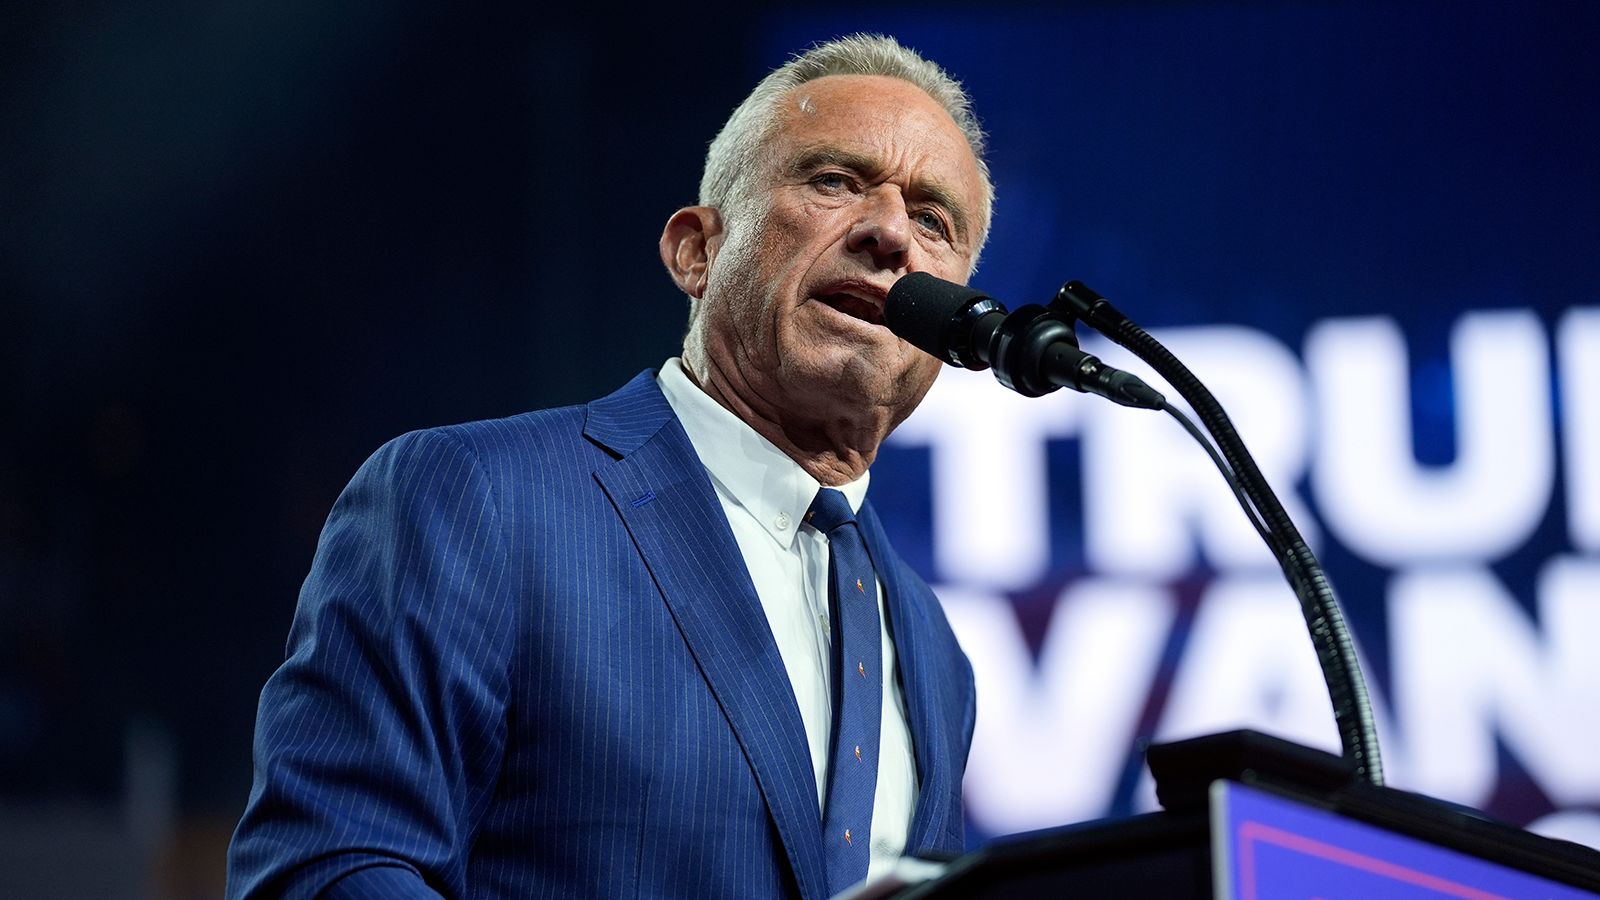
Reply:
x=876, y=375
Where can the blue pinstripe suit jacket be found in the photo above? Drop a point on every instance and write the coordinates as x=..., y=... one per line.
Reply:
x=529, y=661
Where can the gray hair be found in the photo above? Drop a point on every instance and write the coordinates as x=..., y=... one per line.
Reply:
x=736, y=151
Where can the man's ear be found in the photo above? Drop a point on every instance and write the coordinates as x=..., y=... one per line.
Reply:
x=688, y=245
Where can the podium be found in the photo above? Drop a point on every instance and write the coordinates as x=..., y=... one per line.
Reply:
x=1252, y=817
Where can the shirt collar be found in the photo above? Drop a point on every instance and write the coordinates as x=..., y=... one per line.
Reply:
x=749, y=468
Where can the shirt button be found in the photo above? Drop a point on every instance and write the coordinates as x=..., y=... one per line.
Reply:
x=782, y=522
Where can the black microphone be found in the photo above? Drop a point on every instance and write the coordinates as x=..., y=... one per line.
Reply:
x=1033, y=350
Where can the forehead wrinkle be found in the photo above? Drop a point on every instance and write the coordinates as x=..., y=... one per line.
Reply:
x=814, y=156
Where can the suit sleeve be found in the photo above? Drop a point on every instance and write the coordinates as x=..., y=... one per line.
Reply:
x=379, y=740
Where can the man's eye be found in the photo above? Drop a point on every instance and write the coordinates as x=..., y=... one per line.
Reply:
x=931, y=221
x=833, y=181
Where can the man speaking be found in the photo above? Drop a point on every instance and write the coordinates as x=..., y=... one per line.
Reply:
x=658, y=645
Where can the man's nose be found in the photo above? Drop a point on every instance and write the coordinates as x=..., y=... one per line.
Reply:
x=882, y=229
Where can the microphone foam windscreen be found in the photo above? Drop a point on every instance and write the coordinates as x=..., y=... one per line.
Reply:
x=921, y=308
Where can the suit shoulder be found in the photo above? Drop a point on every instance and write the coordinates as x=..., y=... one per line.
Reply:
x=529, y=431
x=492, y=444
x=559, y=437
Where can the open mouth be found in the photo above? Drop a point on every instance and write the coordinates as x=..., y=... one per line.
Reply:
x=855, y=307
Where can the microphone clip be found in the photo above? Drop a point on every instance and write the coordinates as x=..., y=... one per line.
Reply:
x=1030, y=344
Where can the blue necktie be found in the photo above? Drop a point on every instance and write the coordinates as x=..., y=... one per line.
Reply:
x=857, y=691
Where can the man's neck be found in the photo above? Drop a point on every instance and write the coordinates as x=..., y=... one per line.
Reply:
x=834, y=452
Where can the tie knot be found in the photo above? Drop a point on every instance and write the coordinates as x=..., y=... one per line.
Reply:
x=829, y=510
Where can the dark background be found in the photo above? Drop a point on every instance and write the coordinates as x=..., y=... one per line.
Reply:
x=242, y=245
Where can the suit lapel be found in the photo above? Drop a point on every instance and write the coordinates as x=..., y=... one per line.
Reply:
x=660, y=489
x=928, y=720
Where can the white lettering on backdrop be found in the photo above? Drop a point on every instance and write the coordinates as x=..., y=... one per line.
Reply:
x=1469, y=664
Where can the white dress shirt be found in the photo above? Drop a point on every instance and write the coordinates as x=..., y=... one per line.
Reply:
x=765, y=495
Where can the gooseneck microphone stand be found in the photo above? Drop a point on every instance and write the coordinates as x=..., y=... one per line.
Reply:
x=1034, y=350
x=1352, y=711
